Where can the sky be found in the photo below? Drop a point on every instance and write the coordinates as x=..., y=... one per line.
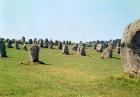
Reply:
x=74, y=20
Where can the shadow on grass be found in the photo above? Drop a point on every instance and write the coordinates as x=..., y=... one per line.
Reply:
x=89, y=55
x=116, y=58
x=66, y=54
x=34, y=63
x=5, y=57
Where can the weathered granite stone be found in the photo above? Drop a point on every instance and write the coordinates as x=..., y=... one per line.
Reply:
x=130, y=49
x=60, y=45
x=34, y=53
x=82, y=51
x=107, y=53
x=65, y=49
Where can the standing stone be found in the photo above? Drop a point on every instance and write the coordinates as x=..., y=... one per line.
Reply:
x=96, y=43
x=75, y=47
x=78, y=49
x=35, y=41
x=46, y=43
x=41, y=43
x=60, y=45
x=64, y=42
x=82, y=51
x=51, y=44
x=30, y=41
x=99, y=47
x=110, y=45
x=16, y=45
x=9, y=44
x=7, y=40
x=2, y=49
x=24, y=46
x=69, y=43
x=56, y=43
x=130, y=49
x=65, y=49
x=23, y=40
x=34, y=53
x=118, y=47
x=107, y=53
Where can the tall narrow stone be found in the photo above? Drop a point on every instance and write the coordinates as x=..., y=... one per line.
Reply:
x=65, y=49
x=9, y=44
x=34, y=53
x=51, y=44
x=16, y=45
x=60, y=45
x=118, y=47
x=2, y=49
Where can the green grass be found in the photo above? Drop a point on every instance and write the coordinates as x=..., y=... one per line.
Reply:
x=64, y=76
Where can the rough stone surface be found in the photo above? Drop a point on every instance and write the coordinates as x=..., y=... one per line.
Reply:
x=34, y=53
x=23, y=39
x=9, y=44
x=41, y=43
x=16, y=45
x=60, y=45
x=95, y=46
x=35, y=41
x=65, y=49
x=99, y=47
x=30, y=41
x=107, y=53
x=24, y=46
x=75, y=47
x=82, y=51
x=51, y=44
x=130, y=49
x=78, y=49
x=118, y=47
x=45, y=45
x=2, y=49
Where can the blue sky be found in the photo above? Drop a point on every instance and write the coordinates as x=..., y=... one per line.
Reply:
x=67, y=19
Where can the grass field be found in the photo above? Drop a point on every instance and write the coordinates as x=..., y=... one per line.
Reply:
x=64, y=76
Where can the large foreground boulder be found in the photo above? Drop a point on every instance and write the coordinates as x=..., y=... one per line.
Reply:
x=130, y=49
x=2, y=49
x=34, y=53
